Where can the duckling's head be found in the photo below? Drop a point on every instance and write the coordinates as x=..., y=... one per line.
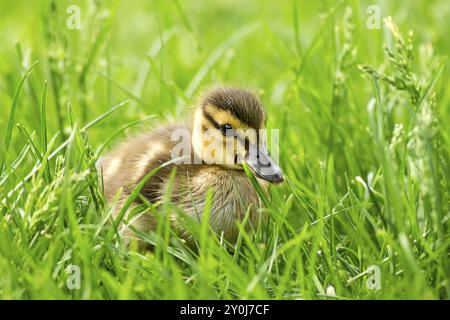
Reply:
x=226, y=132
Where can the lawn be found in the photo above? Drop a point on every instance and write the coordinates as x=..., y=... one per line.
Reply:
x=358, y=91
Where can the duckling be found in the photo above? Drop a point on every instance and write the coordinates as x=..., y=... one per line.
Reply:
x=226, y=113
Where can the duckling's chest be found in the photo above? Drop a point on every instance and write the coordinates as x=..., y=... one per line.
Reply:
x=232, y=197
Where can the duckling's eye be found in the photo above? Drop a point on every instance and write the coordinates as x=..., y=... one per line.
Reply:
x=227, y=130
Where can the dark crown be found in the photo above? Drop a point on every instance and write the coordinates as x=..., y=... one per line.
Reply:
x=241, y=103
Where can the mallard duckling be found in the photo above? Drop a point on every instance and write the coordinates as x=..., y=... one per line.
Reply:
x=226, y=113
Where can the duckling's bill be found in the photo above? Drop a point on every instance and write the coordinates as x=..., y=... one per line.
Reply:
x=262, y=165
x=256, y=156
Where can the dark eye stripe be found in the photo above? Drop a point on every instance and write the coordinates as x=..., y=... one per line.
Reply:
x=211, y=119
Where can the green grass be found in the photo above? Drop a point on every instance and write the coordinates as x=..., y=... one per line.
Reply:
x=364, y=144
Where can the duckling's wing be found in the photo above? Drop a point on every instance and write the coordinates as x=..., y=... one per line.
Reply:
x=128, y=163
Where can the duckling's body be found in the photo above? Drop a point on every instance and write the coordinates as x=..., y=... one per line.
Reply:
x=232, y=191
x=134, y=159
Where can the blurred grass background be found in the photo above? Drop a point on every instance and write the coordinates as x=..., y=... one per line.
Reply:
x=367, y=182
